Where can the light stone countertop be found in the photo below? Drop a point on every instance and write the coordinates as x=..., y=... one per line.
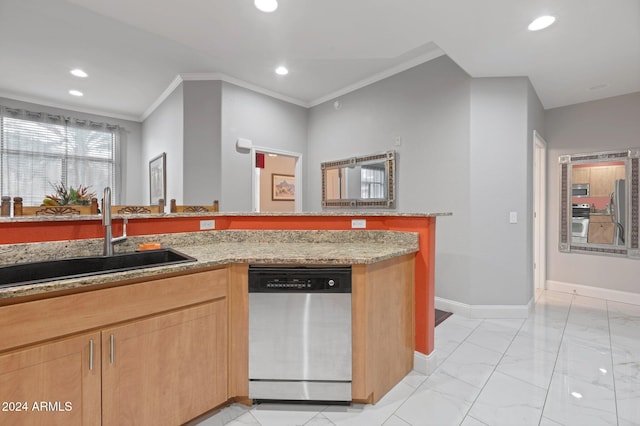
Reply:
x=218, y=248
x=332, y=213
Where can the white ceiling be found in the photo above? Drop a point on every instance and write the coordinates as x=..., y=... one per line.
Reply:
x=134, y=49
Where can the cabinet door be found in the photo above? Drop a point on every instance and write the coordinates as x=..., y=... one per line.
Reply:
x=52, y=384
x=601, y=233
x=167, y=369
x=602, y=178
x=580, y=174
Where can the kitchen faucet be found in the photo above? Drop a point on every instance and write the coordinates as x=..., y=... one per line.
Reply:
x=109, y=241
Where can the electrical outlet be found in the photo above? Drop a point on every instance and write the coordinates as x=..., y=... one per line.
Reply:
x=358, y=223
x=513, y=217
x=207, y=224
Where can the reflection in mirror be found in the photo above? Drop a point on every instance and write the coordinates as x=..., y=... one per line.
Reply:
x=599, y=203
x=367, y=181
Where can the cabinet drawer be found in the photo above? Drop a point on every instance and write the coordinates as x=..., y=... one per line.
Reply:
x=31, y=322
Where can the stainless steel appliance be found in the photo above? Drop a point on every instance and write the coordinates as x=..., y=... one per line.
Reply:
x=300, y=333
x=580, y=190
x=618, y=207
x=580, y=223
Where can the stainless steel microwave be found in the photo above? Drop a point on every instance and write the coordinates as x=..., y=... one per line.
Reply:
x=580, y=190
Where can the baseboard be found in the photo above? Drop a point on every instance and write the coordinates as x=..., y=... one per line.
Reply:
x=424, y=364
x=588, y=291
x=485, y=311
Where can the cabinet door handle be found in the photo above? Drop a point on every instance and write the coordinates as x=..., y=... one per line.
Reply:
x=90, y=354
x=112, y=348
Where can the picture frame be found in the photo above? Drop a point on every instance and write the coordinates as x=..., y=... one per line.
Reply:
x=283, y=187
x=158, y=179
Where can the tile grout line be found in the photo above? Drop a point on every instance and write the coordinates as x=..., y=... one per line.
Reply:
x=613, y=369
x=555, y=363
x=433, y=372
x=493, y=371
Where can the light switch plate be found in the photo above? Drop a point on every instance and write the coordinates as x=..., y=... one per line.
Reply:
x=358, y=223
x=207, y=224
x=513, y=217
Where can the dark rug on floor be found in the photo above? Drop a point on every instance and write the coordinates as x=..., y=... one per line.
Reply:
x=441, y=316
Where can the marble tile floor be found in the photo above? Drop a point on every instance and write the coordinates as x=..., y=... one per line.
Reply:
x=574, y=361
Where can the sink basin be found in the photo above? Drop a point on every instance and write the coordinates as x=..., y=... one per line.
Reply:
x=50, y=270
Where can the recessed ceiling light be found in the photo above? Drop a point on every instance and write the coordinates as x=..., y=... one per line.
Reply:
x=541, y=23
x=282, y=70
x=76, y=93
x=79, y=73
x=266, y=5
x=576, y=395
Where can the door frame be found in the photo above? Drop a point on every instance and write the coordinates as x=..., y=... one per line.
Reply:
x=255, y=176
x=539, y=212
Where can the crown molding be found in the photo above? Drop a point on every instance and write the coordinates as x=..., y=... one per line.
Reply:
x=163, y=96
x=215, y=76
x=75, y=108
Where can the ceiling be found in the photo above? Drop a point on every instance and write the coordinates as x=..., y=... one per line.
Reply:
x=134, y=49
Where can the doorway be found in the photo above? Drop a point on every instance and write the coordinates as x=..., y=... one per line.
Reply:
x=539, y=213
x=276, y=184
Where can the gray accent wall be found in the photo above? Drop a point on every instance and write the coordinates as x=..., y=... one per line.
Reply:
x=503, y=110
x=266, y=122
x=202, y=143
x=466, y=147
x=603, y=125
x=163, y=131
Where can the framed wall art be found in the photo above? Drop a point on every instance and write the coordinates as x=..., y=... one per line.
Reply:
x=283, y=187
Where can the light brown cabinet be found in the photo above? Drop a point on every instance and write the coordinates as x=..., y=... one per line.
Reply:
x=581, y=175
x=165, y=370
x=601, y=229
x=55, y=383
x=383, y=326
x=602, y=179
x=165, y=362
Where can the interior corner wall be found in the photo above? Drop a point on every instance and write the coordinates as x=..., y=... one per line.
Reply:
x=426, y=106
x=602, y=125
x=500, y=267
x=268, y=123
x=163, y=131
x=130, y=140
x=202, y=144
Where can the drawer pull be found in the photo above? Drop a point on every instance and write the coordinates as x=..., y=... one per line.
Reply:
x=90, y=354
x=112, y=348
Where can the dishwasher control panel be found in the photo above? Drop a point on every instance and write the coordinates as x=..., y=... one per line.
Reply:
x=300, y=279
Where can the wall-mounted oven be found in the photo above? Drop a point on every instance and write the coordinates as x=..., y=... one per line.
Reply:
x=580, y=223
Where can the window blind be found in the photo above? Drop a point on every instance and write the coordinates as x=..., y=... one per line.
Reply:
x=371, y=182
x=39, y=150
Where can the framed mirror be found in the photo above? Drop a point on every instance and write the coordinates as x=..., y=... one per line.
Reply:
x=360, y=182
x=599, y=197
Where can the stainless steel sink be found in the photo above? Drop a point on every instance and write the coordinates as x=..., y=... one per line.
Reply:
x=51, y=270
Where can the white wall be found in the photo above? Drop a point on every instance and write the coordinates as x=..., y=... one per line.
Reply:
x=268, y=123
x=603, y=125
x=163, y=131
x=131, y=146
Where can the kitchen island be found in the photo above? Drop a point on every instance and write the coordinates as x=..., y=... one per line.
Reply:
x=109, y=340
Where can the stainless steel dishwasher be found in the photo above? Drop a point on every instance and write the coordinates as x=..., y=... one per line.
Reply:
x=300, y=333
